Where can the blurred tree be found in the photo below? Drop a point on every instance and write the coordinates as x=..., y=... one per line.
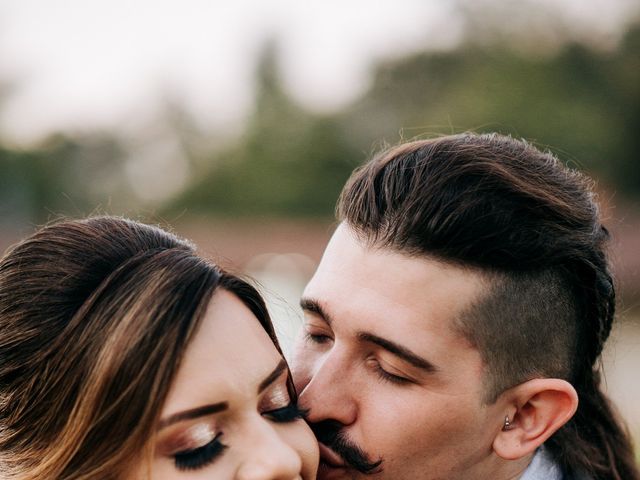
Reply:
x=61, y=176
x=289, y=161
x=583, y=104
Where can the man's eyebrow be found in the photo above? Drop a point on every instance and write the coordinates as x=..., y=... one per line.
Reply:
x=398, y=350
x=313, y=306
x=273, y=376
x=193, y=413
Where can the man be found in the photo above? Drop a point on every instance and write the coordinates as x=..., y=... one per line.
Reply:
x=453, y=326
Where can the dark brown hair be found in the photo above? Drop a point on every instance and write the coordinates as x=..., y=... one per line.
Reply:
x=502, y=207
x=95, y=316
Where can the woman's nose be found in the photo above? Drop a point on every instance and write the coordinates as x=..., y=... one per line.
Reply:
x=267, y=455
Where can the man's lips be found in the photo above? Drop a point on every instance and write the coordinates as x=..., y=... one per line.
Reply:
x=330, y=457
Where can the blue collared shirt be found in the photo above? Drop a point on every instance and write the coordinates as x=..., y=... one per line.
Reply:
x=542, y=467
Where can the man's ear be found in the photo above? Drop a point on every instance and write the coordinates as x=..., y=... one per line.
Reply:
x=536, y=409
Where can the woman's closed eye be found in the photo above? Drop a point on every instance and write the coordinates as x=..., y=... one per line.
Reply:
x=277, y=404
x=194, y=447
x=200, y=445
x=204, y=455
x=200, y=457
x=286, y=414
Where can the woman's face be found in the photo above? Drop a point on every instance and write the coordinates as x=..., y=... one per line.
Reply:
x=228, y=414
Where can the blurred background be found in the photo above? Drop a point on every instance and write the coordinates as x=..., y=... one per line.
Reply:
x=237, y=123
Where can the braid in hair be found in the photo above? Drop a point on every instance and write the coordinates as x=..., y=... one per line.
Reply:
x=594, y=441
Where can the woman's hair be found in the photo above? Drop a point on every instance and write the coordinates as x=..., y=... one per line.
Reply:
x=95, y=316
x=516, y=214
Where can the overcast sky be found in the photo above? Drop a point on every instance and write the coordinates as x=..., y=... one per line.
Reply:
x=76, y=64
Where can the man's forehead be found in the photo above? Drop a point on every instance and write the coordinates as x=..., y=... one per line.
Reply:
x=349, y=263
x=382, y=288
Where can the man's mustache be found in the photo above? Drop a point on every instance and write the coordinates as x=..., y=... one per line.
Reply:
x=329, y=432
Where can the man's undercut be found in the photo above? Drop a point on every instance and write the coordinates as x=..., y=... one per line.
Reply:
x=524, y=315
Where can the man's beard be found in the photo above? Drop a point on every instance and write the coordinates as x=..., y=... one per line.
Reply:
x=329, y=433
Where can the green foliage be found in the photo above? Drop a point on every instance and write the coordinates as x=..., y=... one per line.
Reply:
x=58, y=177
x=29, y=180
x=289, y=162
x=582, y=104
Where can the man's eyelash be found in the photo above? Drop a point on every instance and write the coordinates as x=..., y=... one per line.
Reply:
x=317, y=338
x=200, y=457
x=390, y=377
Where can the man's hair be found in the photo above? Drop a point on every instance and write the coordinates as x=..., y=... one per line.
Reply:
x=515, y=214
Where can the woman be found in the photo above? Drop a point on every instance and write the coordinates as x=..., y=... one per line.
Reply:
x=125, y=355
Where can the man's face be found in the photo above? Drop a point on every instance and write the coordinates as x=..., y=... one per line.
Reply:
x=393, y=390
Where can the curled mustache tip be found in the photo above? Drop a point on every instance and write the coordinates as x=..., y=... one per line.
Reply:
x=330, y=433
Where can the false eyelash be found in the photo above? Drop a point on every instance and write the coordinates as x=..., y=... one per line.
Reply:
x=200, y=457
x=287, y=414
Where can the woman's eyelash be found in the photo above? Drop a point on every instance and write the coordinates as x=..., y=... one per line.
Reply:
x=286, y=414
x=200, y=457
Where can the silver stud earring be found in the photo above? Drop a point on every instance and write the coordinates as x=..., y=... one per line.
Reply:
x=507, y=424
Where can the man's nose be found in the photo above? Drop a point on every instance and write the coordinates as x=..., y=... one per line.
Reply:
x=330, y=391
x=267, y=456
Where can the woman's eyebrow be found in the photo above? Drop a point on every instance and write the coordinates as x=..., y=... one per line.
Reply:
x=219, y=407
x=193, y=413
x=273, y=376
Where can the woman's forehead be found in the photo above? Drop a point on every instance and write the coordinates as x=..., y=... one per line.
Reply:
x=227, y=358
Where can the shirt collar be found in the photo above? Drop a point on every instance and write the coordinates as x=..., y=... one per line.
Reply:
x=542, y=467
